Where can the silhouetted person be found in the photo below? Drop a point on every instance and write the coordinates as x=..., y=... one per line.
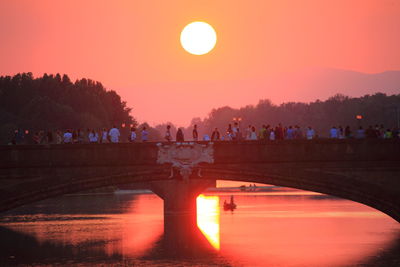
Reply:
x=347, y=132
x=377, y=130
x=168, y=135
x=262, y=134
x=81, y=136
x=58, y=137
x=195, y=133
x=360, y=133
x=179, y=136
x=18, y=136
x=279, y=132
x=229, y=132
x=35, y=138
x=145, y=135
x=370, y=132
x=215, y=136
x=235, y=131
x=49, y=137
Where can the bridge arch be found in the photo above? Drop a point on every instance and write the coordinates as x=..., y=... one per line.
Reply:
x=42, y=191
x=341, y=186
x=336, y=185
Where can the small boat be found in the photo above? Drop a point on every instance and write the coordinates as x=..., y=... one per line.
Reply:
x=230, y=206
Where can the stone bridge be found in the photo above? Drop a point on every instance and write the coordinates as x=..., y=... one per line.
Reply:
x=365, y=171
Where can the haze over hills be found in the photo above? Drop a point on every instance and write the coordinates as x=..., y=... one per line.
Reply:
x=314, y=83
x=305, y=85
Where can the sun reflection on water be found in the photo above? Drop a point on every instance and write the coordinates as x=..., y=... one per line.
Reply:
x=208, y=218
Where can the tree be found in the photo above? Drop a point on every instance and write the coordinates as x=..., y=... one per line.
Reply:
x=54, y=102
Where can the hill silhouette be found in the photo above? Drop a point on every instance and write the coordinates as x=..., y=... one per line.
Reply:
x=54, y=102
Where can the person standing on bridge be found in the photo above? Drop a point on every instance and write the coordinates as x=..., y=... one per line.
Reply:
x=195, y=133
x=133, y=136
x=310, y=133
x=333, y=132
x=388, y=134
x=253, y=135
x=114, y=134
x=360, y=134
x=67, y=137
x=347, y=132
x=215, y=136
x=279, y=132
x=272, y=135
x=229, y=132
x=145, y=135
x=168, y=136
x=104, y=136
x=179, y=136
x=58, y=137
x=235, y=132
x=93, y=137
x=262, y=134
x=248, y=133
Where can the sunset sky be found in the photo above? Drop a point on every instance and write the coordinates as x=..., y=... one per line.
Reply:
x=133, y=47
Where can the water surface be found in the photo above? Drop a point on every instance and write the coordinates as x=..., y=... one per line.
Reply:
x=267, y=229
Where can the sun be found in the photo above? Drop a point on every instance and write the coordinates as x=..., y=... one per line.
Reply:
x=198, y=38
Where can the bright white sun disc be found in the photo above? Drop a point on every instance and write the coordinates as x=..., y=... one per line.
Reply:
x=198, y=38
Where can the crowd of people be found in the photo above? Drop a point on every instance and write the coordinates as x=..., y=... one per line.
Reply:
x=78, y=136
x=232, y=133
x=267, y=132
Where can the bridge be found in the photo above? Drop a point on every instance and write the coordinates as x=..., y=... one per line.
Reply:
x=365, y=171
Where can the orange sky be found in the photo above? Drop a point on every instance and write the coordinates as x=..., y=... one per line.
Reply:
x=133, y=47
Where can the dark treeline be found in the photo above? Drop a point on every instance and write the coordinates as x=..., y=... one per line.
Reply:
x=338, y=110
x=54, y=102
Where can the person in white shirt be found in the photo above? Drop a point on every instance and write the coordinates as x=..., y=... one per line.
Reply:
x=67, y=139
x=93, y=136
x=114, y=135
x=334, y=132
x=248, y=133
x=253, y=135
x=272, y=135
x=310, y=133
x=145, y=135
x=133, y=135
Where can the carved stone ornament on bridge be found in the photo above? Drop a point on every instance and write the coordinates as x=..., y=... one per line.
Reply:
x=185, y=156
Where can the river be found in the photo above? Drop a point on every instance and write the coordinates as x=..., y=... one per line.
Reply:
x=294, y=228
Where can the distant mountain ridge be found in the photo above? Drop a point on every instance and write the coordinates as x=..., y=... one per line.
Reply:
x=319, y=83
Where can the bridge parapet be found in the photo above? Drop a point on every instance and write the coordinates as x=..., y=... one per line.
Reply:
x=224, y=152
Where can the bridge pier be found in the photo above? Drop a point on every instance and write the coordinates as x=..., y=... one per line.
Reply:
x=181, y=234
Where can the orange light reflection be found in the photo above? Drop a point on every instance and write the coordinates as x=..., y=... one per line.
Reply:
x=208, y=218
